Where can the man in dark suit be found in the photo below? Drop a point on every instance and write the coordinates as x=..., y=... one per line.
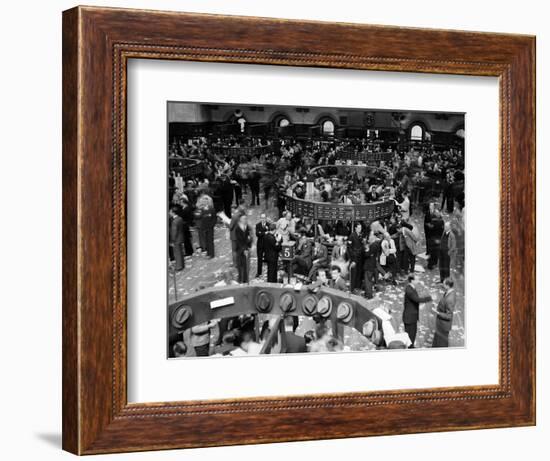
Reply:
x=233, y=224
x=254, y=181
x=369, y=269
x=304, y=254
x=436, y=231
x=272, y=247
x=375, y=248
x=429, y=229
x=262, y=228
x=243, y=241
x=356, y=252
x=226, y=192
x=184, y=210
x=411, y=310
x=294, y=344
x=177, y=238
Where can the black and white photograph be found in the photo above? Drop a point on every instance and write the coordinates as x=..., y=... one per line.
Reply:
x=295, y=229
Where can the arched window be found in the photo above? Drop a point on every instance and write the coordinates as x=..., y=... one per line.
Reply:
x=328, y=128
x=417, y=133
x=280, y=121
x=283, y=121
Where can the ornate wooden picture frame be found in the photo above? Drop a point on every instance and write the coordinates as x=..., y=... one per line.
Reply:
x=97, y=44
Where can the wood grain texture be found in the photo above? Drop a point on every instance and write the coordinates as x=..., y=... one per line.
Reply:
x=97, y=43
x=70, y=393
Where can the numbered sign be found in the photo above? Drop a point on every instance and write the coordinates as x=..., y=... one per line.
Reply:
x=287, y=252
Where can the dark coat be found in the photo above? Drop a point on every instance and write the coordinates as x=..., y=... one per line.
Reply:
x=412, y=301
x=233, y=226
x=445, y=309
x=294, y=343
x=226, y=191
x=243, y=239
x=261, y=231
x=187, y=215
x=436, y=230
x=271, y=248
x=176, y=230
x=305, y=251
x=254, y=180
x=207, y=218
x=371, y=256
x=429, y=225
x=355, y=246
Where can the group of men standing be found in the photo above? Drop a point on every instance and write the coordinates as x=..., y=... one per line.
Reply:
x=443, y=311
x=441, y=246
x=268, y=245
x=182, y=217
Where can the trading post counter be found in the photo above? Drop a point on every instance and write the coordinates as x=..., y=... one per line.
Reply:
x=338, y=211
x=321, y=303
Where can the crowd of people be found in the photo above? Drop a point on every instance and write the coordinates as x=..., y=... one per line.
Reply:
x=359, y=257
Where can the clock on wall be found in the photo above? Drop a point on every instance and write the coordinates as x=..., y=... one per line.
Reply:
x=369, y=120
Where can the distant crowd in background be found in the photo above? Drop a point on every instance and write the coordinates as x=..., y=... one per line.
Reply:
x=426, y=181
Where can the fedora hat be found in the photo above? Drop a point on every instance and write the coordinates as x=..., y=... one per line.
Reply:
x=264, y=301
x=287, y=302
x=324, y=306
x=344, y=312
x=309, y=304
x=180, y=315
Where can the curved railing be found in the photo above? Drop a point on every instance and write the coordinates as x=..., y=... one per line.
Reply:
x=366, y=157
x=361, y=170
x=339, y=211
x=186, y=167
x=237, y=151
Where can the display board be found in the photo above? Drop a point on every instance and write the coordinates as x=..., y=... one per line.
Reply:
x=339, y=211
x=237, y=151
x=365, y=156
x=186, y=167
x=358, y=170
